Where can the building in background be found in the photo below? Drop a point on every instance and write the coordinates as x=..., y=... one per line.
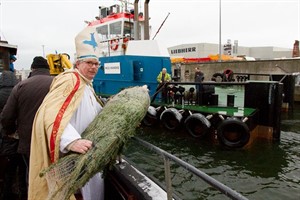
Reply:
x=202, y=50
x=23, y=73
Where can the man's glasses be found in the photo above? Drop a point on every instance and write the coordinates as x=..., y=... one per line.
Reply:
x=91, y=64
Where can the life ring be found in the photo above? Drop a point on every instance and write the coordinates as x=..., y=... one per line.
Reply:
x=171, y=118
x=228, y=75
x=151, y=117
x=125, y=40
x=114, y=44
x=197, y=125
x=232, y=132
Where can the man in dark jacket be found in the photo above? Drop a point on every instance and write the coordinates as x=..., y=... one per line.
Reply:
x=199, y=77
x=24, y=102
x=9, y=158
x=7, y=81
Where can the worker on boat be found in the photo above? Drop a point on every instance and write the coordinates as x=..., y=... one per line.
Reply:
x=163, y=78
x=199, y=77
x=12, y=59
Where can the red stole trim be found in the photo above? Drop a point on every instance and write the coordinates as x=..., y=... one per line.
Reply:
x=59, y=117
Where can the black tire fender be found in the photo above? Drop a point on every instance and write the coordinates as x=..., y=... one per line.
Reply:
x=150, y=118
x=171, y=118
x=232, y=132
x=197, y=125
x=216, y=75
x=228, y=75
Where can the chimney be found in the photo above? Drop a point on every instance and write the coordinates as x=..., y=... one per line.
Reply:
x=296, y=49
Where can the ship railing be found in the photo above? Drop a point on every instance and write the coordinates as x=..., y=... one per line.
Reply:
x=168, y=86
x=269, y=76
x=208, y=179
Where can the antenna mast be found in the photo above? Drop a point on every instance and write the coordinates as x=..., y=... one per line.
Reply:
x=160, y=26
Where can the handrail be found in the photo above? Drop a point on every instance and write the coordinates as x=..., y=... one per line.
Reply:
x=207, y=83
x=208, y=179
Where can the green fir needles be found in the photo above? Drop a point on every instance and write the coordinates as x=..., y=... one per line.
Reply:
x=109, y=131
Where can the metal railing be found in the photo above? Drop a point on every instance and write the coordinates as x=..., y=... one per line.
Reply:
x=208, y=179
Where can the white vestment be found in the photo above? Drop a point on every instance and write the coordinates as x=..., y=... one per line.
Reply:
x=83, y=116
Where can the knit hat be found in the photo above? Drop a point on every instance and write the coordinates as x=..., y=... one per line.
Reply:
x=39, y=62
x=87, y=44
x=12, y=57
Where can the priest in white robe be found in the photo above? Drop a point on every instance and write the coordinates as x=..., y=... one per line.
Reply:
x=67, y=110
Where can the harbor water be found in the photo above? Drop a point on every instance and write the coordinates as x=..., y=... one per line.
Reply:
x=264, y=170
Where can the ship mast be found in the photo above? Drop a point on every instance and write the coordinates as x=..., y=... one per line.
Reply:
x=136, y=21
x=146, y=22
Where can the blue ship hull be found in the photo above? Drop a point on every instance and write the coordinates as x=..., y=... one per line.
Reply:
x=129, y=71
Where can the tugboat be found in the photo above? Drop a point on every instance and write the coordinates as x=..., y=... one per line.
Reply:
x=128, y=57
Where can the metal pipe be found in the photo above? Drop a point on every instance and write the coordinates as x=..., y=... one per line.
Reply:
x=220, y=38
x=136, y=20
x=168, y=178
x=161, y=26
x=146, y=20
x=208, y=179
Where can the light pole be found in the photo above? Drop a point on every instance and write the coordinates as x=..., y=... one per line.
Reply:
x=43, y=46
x=220, y=39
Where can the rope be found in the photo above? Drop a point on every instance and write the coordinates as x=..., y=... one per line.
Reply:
x=159, y=88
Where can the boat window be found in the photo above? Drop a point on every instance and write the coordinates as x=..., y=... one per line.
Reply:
x=128, y=28
x=1, y=63
x=4, y=61
x=297, y=79
x=115, y=29
x=103, y=32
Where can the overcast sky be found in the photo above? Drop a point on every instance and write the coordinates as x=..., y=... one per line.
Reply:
x=53, y=24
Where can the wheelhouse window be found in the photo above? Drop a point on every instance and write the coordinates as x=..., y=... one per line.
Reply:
x=115, y=29
x=128, y=29
x=103, y=32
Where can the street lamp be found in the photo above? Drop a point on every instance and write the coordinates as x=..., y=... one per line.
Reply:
x=43, y=46
x=220, y=45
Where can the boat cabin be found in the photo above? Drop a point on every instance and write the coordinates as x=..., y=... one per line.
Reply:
x=116, y=26
x=128, y=58
x=6, y=50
